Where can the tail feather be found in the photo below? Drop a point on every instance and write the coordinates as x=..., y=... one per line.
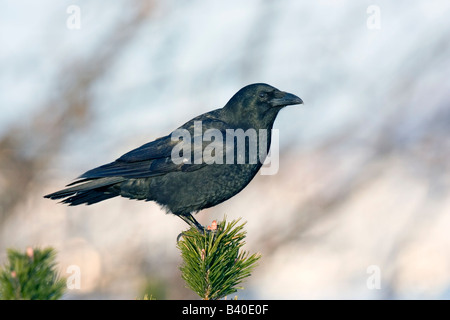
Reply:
x=87, y=191
x=89, y=197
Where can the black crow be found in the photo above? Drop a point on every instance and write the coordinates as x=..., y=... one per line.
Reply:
x=187, y=170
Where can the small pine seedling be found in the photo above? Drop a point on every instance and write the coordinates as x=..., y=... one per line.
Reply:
x=213, y=264
x=31, y=276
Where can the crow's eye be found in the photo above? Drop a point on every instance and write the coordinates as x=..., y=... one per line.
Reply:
x=263, y=94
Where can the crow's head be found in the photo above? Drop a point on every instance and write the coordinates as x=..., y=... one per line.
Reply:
x=259, y=103
x=272, y=97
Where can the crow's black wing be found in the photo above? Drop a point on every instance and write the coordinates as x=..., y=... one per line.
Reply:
x=133, y=164
x=155, y=158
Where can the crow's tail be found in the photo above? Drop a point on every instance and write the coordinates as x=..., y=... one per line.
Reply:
x=88, y=191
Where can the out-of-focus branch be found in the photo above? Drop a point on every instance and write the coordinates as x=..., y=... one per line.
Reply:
x=26, y=149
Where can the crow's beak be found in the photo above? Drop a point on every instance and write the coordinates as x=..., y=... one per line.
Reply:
x=286, y=100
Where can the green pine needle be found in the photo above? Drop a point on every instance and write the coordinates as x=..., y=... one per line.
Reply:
x=31, y=276
x=213, y=264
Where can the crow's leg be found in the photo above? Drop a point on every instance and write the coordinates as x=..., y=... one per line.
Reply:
x=190, y=220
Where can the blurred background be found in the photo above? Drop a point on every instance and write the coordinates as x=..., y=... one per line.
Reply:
x=364, y=164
